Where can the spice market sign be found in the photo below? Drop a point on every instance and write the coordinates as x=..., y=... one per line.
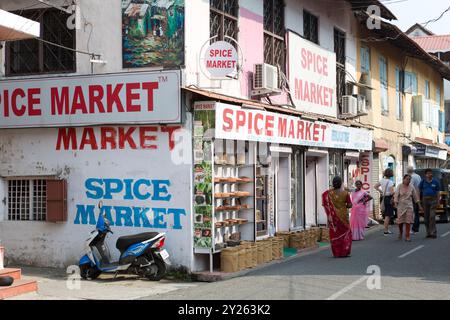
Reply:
x=135, y=98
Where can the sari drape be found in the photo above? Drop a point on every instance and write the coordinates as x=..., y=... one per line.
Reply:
x=337, y=213
x=359, y=215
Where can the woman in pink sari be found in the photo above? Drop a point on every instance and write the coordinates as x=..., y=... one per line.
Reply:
x=360, y=211
x=336, y=203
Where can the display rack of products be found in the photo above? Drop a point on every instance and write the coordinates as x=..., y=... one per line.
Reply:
x=233, y=216
x=261, y=199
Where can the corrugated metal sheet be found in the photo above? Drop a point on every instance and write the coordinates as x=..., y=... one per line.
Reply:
x=434, y=43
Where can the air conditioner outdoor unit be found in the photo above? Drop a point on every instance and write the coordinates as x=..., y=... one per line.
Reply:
x=349, y=107
x=265, y=80
x=361, y=103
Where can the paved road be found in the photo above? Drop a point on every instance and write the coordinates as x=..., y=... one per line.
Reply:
x=416, y=270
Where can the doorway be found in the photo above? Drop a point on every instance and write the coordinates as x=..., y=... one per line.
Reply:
x=283, y=193
x=316, y=182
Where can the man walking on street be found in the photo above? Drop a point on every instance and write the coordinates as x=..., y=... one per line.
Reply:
x=429, y=191
x=415, y=181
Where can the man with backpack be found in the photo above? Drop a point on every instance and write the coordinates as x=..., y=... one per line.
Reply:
x=429, y=192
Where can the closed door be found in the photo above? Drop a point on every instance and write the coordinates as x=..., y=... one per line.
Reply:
x=283, y=194
x=311, y=191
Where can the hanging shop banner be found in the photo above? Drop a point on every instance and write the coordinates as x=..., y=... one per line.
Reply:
x=312, y=76
x=235, y=123
x=203, y=185
x=135, y=98
x=365, y=172
x=153, y=33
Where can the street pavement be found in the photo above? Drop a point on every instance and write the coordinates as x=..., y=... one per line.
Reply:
x=55, y=284
x=408, y=270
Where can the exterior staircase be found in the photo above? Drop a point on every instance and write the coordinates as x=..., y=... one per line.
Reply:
x=19, y=285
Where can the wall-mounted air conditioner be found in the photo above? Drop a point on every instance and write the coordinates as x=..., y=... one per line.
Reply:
x=265, y=80
x=349, y=107
x=361, y=104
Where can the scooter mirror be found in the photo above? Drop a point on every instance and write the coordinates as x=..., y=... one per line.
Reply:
x=100, y=204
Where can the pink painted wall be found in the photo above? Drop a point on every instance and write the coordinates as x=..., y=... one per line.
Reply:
x=251, y=40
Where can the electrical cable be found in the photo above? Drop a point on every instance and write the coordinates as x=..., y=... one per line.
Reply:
x=436, y=19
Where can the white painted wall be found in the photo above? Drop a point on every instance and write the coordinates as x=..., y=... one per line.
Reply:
x=31, y=152
x=330, y=16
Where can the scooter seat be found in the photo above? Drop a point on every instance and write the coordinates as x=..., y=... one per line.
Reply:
x=124, y=242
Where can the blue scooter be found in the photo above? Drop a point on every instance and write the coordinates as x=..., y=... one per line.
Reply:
x=140, y=254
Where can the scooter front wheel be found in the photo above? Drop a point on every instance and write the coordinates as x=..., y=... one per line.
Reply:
x=88, y=272
x=158, y=274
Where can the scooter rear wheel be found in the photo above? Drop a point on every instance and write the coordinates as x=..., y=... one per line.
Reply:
x=161, y=270
x=88, y=272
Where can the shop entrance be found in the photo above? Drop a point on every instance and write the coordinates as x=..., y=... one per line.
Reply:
x=316, y=182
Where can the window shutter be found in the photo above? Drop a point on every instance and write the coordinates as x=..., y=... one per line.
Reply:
x=56, y=200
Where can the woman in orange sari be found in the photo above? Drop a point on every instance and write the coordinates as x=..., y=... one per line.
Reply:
x=336, y=203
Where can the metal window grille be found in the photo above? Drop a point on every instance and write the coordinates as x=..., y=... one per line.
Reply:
x=310, y=27
x=339, y=49
x=27, y=200
x=224, y=19
x=274, y=32
x=34, y=56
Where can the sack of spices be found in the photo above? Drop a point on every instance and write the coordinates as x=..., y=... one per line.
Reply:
x=242, y=257
x=229, y=260
x=268, y=250
x=260, y=252
x=285, y=236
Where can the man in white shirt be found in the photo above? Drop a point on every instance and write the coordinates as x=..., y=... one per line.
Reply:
x=415, y=181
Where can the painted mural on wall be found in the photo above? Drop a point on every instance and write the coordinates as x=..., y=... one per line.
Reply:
x=152, y=33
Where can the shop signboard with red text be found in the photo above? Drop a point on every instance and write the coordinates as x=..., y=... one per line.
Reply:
x=236, y=123
x=312, y=76
x=133, y=98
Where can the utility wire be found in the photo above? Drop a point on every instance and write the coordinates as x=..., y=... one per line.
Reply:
x=436, y=19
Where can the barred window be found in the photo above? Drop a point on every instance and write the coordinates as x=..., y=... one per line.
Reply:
x=27, y=200
x=310, y=27
x=274, y=32
x=339, y=49
x=224, y=18
x=33, y=56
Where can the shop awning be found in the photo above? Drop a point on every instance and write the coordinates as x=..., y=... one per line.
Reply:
x=429, y=142
x=426, y=148
x=380, y=145
x=14, y=27
x=269, y=107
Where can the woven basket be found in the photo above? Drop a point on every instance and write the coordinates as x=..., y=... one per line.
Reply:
x=242, y=257
x=253, y=254
x=229, y=260
x=325, y=234
x=277, y=248
x=285, y=236
x=248, y=254
x=260, y=252
x=267, y=250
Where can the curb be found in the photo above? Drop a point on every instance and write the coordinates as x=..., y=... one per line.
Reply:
x=221, y=276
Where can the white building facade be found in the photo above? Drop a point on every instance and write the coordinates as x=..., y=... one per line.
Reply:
x=110, y=112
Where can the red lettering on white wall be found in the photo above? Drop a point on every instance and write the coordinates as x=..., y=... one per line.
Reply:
x=114, y=138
